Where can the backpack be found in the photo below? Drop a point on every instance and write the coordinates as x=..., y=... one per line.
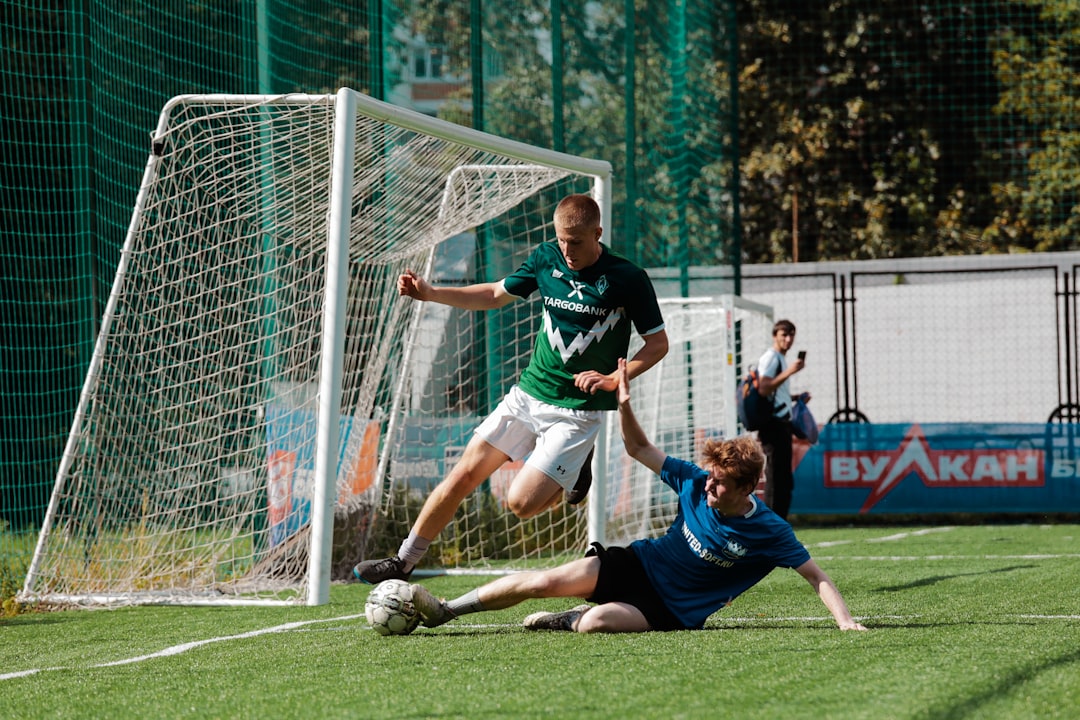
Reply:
x=752, y=406
x=803, y=424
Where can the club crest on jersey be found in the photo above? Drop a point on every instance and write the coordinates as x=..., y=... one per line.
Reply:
x=602, y=284
x=733, y=550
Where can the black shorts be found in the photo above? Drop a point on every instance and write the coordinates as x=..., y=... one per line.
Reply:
x=622, y=579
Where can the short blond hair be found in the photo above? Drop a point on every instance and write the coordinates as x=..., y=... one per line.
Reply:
x=578, y=211
x=740, y=459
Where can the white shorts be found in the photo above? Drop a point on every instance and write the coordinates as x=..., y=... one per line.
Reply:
x=558, y=438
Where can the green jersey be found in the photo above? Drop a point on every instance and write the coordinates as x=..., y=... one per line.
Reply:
x=585, y=323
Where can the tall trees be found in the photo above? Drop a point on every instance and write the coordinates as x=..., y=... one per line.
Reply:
x=887, y=128
x=1038, y=66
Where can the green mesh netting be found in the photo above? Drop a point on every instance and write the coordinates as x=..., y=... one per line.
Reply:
x=859, y=129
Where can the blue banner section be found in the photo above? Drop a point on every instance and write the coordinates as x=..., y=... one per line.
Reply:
x=290, y=456
x=939, y=468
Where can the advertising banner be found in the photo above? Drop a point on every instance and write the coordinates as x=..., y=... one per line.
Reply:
x=939, y=468
x=290, y=437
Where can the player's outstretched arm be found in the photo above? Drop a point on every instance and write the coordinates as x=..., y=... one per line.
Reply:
x=635, y=441
x=830, y=596
x=481, y=296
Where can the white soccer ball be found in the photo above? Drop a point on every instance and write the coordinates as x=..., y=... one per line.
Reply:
x=390, y=609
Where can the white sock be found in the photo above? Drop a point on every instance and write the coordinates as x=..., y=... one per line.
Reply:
x=412, y=550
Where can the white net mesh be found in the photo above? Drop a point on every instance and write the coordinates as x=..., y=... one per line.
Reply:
x=188, y=475
x=686, y=399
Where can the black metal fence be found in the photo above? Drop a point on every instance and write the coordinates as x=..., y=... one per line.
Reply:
x=983, y=339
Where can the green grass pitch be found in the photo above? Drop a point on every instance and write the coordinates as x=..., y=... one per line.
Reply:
x=965, y=622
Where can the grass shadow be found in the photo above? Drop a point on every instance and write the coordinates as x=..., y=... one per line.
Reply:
x=933, y=580
x=1003, y=685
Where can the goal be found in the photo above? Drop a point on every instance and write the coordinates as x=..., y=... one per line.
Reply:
x=261, y=408
x=686, y=399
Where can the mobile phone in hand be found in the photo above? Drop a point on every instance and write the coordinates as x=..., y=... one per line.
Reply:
x=802, y=355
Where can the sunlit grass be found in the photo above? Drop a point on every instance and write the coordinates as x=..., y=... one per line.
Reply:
x=966, y=622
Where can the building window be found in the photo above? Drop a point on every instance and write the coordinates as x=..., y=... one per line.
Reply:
x=427, y=63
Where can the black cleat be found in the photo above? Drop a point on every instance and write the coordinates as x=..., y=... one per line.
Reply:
x=374, y=572
x=584, y=481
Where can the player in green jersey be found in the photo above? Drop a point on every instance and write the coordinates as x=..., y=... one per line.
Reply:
x=591, y=298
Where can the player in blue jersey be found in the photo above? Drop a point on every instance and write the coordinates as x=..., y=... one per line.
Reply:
x=592, y=299
x=723, y=541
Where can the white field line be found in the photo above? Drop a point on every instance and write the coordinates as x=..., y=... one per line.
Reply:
x=887, y=538
x=913, y=533
x=289, y=627
x=871, y=618
x=182, y=648
x=891, y=558
x=895, y=537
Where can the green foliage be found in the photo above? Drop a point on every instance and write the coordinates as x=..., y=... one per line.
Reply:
x=872, y=127
x=645, y=90
x=1040, y=78
x=15, y=554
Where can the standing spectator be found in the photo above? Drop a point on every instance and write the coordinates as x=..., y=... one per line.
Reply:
x=774, y=371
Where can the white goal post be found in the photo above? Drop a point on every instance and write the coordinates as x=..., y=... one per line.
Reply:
x=260, y=405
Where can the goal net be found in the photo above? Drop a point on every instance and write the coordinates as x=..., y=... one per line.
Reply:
x=686, y=399
x=261, y=407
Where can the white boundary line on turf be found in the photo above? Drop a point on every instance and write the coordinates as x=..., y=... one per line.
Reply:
x=871, y=618
x=913, y=533
x=1055, y=556
x=178, y=649
x=184, y=647
x=887, y=538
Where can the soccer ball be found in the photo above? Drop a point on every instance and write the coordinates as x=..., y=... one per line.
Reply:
x=390, y=609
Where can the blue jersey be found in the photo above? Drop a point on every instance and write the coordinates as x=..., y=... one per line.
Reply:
x=705, y=560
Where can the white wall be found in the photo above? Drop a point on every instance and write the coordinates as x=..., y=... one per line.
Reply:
x=954, y=339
